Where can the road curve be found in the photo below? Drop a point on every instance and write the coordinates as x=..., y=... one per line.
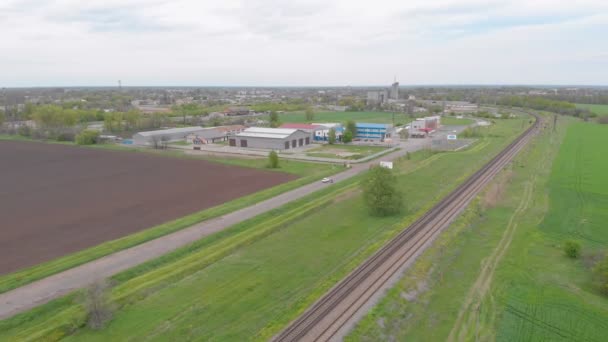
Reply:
x=327, y=318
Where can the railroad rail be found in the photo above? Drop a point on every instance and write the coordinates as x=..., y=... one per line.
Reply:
x=326, y=317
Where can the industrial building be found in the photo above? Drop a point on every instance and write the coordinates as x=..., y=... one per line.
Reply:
x=373, y=131
x=271, y=138
x=322, y=134
x=151, y=138
x=421, y=127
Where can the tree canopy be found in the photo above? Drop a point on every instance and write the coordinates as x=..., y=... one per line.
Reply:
x=380, y=192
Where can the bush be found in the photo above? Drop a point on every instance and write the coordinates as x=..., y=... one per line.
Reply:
x=471, y=132
x=347, y=137
x=600, y=273
x=66, y=136
x=87, y=137
x=572, y=249
x=273, y=160
x=98, y=305
x=24, y=131
x=603, y=120
x=380, y=193
x=332, y=136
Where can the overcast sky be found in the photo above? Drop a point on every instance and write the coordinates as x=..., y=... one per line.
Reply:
x=294, y=43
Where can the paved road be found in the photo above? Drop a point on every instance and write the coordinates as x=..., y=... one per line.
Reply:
x=44, y=290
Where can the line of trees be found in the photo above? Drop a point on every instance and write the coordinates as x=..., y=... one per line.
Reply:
x=541, y=103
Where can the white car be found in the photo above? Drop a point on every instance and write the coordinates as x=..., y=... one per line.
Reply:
x=327, y=180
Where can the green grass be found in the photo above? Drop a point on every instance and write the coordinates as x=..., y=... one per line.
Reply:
x=308, y=172
x=342, y=117
x=332, y=151
x=536, y=293
x=598, y=109
x=249, y=281
x=452, y=121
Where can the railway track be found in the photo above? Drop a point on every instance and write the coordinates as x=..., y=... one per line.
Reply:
x=330, y=314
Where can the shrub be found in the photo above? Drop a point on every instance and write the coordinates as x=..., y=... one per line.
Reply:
x=347, y=137
x=380, y=193
x=24, y=131
x=98, y=306
x=87, y=137
x=603, y=120
x=273, y=160
x=332, y=136
x=572, y=249
x=66, y=136
x=600, y=273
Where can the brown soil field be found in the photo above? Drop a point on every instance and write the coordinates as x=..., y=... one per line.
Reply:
x=58, y=199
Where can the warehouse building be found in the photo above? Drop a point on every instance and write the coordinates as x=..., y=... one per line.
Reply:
x=373, y=131
x=271, y=138
x=151, y=138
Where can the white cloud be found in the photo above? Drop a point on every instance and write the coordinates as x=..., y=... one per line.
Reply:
x=272, y=42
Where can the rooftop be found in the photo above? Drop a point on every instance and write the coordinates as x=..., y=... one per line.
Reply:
x=263, y=132
x=299, y=126
x=371, y=125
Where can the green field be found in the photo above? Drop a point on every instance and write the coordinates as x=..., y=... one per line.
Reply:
x=344, y=151
x=342, y=117
x=308, y=172
x=452, y=121
x=595, y=108
x=499, y=273
x=249, y=281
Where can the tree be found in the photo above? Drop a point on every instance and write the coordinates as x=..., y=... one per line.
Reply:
x=2, y=118
x=347, y=137
x=273, y=160
x=351, y=126
x=131, y=119
x=572, y=249
x=310, y=114
x=98, y=305
x=600, y=273
x=331, y=137
x=380, y=193
x=87, y=137
x=274, y=119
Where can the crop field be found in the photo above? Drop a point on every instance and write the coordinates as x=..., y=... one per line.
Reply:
x=598, y=109
x=499, y=273
x=247, y=282
x=373, y=117
x=58, y=199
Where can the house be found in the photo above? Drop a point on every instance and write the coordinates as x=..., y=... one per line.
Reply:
x=271, y=138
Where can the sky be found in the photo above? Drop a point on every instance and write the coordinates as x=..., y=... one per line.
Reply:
x=302, y=43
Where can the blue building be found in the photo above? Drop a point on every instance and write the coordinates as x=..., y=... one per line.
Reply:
x=373, y=131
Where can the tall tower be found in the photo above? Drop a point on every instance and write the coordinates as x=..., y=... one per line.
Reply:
x=119, y=85
x=395, y=90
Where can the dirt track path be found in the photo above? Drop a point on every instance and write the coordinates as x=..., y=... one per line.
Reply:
x=44, y=290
